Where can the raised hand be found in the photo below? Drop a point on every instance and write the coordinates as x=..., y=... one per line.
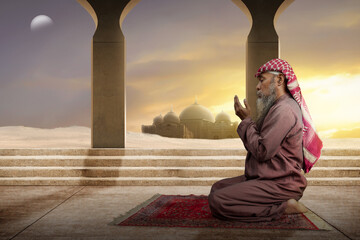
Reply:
x=240, y=111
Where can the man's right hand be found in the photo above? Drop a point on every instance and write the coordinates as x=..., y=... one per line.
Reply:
x=240, y=111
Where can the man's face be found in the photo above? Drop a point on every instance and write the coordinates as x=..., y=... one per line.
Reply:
x=263, y=87
x=266, y=92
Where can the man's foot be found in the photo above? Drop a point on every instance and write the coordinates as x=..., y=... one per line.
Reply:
x=294, y=206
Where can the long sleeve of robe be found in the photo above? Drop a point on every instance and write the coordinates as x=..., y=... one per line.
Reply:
x=272, y=167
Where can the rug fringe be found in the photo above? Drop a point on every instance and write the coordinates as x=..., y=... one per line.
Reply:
x=320, y=223
x=122, y=217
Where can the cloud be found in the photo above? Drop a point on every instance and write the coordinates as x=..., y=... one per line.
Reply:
x=211, y=68
x=60, y=84
x=323, y=42
x=44, y=106
x=341, y=133
x=332, y=100
x=347, y=18
x=175, y=51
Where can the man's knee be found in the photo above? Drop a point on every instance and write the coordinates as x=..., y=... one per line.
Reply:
x=226, y=182
x=214, y=187
x=220, y=184
x=211, y=198
x=215, y=202
x=216, y=205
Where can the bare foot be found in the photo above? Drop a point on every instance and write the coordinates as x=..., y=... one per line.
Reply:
x=294, y=206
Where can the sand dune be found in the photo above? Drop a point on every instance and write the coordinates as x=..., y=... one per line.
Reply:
x=80, y=137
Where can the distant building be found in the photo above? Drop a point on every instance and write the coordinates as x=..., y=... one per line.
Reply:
x=195, y=121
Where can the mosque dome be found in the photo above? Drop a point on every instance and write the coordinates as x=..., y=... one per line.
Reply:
x=158, y=120
x=223, y=117
x=171, y=117
x=196, y=112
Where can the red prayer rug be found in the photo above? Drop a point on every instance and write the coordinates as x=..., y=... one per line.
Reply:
x=193, y=211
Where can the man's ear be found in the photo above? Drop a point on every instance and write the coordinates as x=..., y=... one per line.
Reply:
x=281, y=80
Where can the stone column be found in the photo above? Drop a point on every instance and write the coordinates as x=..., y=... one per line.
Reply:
x=263, y=42
x=108, y=128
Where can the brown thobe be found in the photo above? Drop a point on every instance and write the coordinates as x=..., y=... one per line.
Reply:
x=272, y=167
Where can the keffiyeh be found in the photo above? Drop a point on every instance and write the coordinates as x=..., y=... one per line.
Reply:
x=312, y=144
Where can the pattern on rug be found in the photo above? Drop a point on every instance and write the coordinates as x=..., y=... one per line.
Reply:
x=193, y=211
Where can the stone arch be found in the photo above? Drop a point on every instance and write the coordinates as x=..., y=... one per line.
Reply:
x=108, y=126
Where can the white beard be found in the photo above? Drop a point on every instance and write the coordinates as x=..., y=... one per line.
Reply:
x=264, y=104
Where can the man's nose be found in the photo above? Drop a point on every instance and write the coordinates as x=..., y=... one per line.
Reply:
x=258, y=87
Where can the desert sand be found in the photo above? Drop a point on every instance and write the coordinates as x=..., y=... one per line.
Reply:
x=80, y=137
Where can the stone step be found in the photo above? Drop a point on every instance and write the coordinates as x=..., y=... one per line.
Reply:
x=124, y=161
x=334, y=172
x=151, y=152
x=184, y=172
x=154, y=181
x=121, y=152
x=340, y=151
x=154, y=166
x=155, y=161
x=338, y=161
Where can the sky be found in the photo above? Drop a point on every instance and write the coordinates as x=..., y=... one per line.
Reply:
x=176, y=51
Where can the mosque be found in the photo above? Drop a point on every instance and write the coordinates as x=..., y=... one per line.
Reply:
x=195, y=121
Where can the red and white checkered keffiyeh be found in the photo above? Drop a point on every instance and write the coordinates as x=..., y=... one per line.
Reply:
x=312, y=144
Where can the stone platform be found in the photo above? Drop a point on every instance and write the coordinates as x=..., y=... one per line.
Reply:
x=84, y=212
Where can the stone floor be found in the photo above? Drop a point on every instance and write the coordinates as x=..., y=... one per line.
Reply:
x=84, y=212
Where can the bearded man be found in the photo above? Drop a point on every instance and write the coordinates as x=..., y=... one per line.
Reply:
x=273, y=182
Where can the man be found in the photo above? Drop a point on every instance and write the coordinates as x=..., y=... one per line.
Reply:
x=273, y=182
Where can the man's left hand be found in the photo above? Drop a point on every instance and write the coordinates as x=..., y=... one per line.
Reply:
x=240, y=111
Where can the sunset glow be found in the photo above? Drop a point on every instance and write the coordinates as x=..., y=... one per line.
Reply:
x=176, y=50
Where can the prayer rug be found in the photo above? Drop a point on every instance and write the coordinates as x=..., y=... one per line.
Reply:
x=193, y=211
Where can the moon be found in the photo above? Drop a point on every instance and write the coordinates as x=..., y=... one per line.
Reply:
x=40, y=22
